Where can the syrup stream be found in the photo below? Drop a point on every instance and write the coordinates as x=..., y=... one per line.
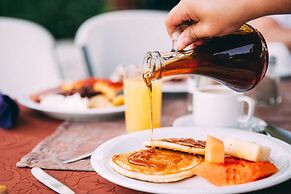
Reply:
x=149, y=85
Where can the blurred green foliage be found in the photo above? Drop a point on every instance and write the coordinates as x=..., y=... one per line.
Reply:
x=61, y=17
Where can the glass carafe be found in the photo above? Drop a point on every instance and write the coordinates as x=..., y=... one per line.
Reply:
x=238, y=60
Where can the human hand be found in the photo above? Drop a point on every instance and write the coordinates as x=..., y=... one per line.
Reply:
x=209, y=18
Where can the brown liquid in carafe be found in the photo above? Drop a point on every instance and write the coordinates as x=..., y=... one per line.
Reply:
x=237, y=60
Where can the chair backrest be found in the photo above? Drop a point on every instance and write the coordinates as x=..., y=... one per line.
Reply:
x=121, y=37
x=27, y=57
x=282, y=58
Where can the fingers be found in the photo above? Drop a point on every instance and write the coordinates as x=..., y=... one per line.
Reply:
x=175, y=17
x=190, y=35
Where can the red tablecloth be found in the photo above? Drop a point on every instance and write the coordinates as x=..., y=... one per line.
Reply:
x=33, y=127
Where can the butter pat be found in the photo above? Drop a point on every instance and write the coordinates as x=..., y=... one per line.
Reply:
x=214, y=150
x=246, y=150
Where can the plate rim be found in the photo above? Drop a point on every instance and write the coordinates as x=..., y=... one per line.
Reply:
x=25, y=101
x=229, y=189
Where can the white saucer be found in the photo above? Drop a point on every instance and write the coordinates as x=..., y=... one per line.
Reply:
x=187, y=121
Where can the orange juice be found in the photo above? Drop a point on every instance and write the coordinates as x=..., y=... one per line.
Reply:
x=137, y=104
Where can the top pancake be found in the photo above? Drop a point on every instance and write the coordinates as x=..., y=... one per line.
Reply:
x=155, y=165
x=187, y=145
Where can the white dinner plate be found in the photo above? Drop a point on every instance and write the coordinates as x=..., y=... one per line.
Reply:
x=73, y=115
x=280, y=156
x=187, y=121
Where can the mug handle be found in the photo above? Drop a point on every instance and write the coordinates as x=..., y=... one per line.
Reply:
x=251, y=109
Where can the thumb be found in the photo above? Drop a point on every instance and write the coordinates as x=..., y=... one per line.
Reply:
x=190, y=35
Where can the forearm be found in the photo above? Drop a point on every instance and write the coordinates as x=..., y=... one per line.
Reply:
x=279, y=35
x=259, y=8
x=273, y=31
x=282, y=36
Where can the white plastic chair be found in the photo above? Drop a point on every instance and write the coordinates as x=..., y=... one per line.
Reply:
x=283, y=58
x=27, y=58
x=121, y=37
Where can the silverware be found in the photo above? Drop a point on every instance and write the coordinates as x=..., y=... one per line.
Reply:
x=279, y=133
x=259, y=129
x=50, y=182
x=273, y=131
x=83, y=156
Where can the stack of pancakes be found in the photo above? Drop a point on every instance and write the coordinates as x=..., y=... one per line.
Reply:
x=169, y=164
x=174, y=159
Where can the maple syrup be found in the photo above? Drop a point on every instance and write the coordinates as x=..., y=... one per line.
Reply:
x=159, y=159
x=238, y=60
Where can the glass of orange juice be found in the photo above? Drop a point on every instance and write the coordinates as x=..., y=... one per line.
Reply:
x=137, y=100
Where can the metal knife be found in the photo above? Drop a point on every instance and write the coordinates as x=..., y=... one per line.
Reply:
x=50, y=182
x=278, y=133
x=83, y=156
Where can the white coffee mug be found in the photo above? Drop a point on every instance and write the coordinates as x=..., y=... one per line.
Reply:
x=218, y=106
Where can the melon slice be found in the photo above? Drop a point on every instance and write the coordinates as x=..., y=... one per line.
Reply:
x=234, y=171
x=214, y=150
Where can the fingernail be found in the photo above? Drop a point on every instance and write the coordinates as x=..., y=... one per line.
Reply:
x=183, y=42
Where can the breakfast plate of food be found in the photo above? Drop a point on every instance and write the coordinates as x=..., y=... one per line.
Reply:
x=81, y=100
x=194, y=160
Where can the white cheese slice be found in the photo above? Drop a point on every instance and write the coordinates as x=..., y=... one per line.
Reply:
x=246, y=150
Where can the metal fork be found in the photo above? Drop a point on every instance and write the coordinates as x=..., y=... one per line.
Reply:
x=259, y=129
x=273, y=131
